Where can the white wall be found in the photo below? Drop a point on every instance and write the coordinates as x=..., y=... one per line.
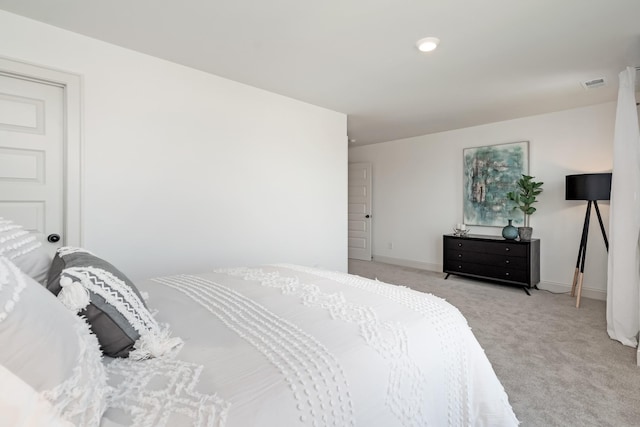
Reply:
x=184, y=171
x=417, y=191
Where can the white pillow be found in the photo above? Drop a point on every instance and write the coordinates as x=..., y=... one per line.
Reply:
x=50, y=348
x=21, y=405
x=24, y=250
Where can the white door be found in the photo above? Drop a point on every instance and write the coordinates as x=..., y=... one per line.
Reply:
x=360, y=211
x=31, y=156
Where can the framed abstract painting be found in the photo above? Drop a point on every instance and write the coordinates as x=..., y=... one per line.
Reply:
x=490, y=172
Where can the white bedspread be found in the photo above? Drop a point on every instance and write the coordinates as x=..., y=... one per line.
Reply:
x=289, y=346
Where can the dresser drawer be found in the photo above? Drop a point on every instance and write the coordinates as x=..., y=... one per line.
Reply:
x=498, y=247
x=487, y=271
x=498, y=260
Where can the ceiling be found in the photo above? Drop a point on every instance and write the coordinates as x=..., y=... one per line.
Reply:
x=497, y=60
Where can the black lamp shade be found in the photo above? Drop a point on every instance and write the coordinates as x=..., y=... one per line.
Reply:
x=588, y=186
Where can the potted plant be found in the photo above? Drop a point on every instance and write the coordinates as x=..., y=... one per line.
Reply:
x=524, y=198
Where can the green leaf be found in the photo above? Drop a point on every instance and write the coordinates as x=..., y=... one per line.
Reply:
x=526, y=194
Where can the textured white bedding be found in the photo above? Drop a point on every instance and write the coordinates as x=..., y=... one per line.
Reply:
x=289, y=345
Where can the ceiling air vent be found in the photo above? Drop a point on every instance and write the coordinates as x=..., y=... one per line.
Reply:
x=595, y=83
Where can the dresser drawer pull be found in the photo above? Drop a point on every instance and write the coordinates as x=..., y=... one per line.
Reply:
x=506, y=274
x=507, y=262
x=507, y=249
x=459, y=245
x=459, y=267
x=459, y=255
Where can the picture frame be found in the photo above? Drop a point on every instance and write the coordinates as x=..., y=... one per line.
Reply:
x=490, y=172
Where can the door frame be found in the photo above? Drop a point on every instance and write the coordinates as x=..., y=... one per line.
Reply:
x=72, y=138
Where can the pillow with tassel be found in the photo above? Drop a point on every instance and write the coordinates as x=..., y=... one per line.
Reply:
x=110, y=303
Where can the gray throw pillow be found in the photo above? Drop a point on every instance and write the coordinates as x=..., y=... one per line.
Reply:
x=110, y=302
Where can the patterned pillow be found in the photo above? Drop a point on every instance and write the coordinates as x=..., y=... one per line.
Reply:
x=111, y=304
x=50, y=349
x=24, y=250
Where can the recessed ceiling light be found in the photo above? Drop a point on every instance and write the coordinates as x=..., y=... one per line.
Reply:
x=427, y=44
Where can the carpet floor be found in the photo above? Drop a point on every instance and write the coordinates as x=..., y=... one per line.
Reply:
x=556, y=363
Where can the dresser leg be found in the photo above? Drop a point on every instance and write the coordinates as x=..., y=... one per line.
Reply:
x=526, y=290
x=447, y=276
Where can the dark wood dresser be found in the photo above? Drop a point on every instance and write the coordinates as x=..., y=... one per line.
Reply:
x=493, y=258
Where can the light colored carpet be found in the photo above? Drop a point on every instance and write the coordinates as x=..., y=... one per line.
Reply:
x=556, y=362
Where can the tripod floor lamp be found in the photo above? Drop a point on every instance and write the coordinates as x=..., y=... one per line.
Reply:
x=591, y=187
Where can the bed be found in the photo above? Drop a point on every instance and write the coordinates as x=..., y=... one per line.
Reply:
x=273, y=345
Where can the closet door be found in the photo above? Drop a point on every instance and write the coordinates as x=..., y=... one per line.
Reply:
x=32, y=156
x=359, y=217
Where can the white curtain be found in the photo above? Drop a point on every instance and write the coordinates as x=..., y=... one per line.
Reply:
x=623, y=281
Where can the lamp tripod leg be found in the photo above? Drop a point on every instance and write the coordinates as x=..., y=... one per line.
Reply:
x=604, y=235
x=575, y=282
x=580, y=277
x=582, y=255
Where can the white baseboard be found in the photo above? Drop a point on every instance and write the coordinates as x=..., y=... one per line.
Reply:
x=587, y=292
x=408, y=263
x=563, y=287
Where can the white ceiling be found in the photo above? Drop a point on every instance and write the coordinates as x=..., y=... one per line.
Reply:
x=498, y=59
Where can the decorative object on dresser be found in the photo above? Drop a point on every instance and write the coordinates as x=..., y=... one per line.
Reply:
x=509, y=232
x=493, y=258
x=490, y=172
x=591, y=187
x=460, y=230
x=524, y=199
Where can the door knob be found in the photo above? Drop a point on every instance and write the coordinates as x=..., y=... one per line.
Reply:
x=53, y=238
x=367, y=216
